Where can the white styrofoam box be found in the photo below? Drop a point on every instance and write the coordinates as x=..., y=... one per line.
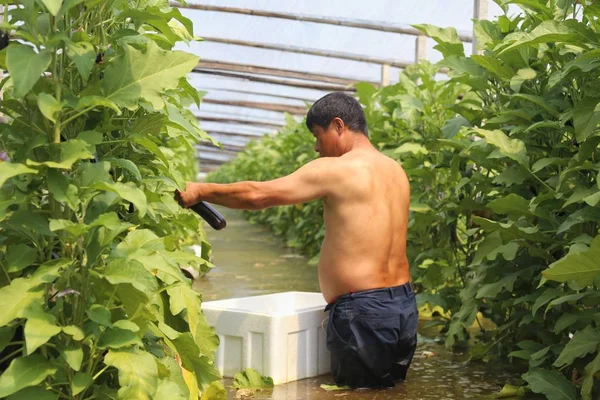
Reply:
x=281, y=335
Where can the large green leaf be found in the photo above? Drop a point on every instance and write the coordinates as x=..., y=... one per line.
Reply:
x=582, y=267
x=18, y=257
x=116, y=338
x=48, y=106
x=69, y=153
x=550, y=383
x=73, y=356
x=39, y=328
x=23, y=372
x=100, y=314
x=133, y=272
x=183, y=297
x=16, y=297
x=251, y=379
x=9, y=169
x=570, y=31
x=129, y=192
x=137, y=75
x=512, y=204
x=582, y=343
x=138, y=374
x=52, y=5
x=34, y=392
x=139, y=241
x=511, y=148
x=80, y=382
x=585, y=117
x=449, y=44
x=588, y=378
x=25, y=66
x=84, y=56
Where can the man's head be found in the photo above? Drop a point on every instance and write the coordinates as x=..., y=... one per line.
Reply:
x=335, y=120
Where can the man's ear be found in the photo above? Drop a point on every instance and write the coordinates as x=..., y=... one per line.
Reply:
x=339, y=125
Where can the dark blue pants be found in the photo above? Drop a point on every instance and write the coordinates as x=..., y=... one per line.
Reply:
x=372, y=336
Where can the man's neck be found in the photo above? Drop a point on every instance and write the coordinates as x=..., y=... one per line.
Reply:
x=359, y=142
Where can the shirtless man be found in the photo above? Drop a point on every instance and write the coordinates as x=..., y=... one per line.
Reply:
x=363, y=269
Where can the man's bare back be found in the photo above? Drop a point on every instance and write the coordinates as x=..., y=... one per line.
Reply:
x=366, y=217
x=366, y=197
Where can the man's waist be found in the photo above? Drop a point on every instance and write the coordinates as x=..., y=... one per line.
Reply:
x=404, y=289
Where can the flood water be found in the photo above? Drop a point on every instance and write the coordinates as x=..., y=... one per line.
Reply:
x=250, y=261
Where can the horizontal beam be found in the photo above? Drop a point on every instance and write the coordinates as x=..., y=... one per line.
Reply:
x=210, y=89
x=238, y=121
x=296, y=110
x=252, y=78
x=351, y=23
x=283, y=73
x=234, y=134
x=313, y=52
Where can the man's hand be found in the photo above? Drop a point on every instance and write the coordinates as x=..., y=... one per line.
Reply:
x=189, y=197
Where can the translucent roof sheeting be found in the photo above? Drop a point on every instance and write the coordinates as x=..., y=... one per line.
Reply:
x=310, y=35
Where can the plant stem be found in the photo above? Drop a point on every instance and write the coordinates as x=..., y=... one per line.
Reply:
x=8, y=357
x=100, y=372
x=85, y=110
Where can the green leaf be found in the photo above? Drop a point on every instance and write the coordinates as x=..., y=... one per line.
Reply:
x=185, y=298
x=491, y=290
x=73, y=356
x=116, y=338
x=52, y=5
x=80, y=382
x=133, y=272
x=48, y=106
x=251, y=379
x=330, y=388
x=16, y=297
x=523, y=75
x=6, y=335
x=25, y=66
x=509, y=391
x=139, y=241
x=74, y=331
x=69, y=153
x=582, y=267
x=539, y=101
x=169, y=390
x=449, y=44
x=84, y=56
x=127, y=165
x=136, y=76
x=19, y=256
x=34, y=392
x=23, y=372
x=494, y=65
x=511, y=148
x=544, y=298
x=96, y=101
x=585, y=118
x=138, y=374
x=569, y=31
x=512, y=204
x=128, y=192
x=582, y=343
x=216, y=391
x=550, y=383
x=127, y=325
x=39, y=328
x=9, y=169
x=100, y=314
x=110, y=221
x=413, y=148
x=588, y=378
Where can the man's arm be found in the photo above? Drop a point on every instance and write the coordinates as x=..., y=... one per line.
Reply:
x=312, y=181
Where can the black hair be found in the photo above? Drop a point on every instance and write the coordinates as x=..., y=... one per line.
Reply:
x=340, y=105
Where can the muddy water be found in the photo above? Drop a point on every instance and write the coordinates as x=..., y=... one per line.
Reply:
x=249, y=261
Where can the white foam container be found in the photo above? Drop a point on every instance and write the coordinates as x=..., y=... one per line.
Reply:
x=280, y=335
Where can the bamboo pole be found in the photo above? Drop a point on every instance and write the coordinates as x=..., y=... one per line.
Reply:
x=274, y=81
x=283, y=73
x=239, y=121
x=302, y=50
x=250, y=92
x=350, y=23
x=296, y=110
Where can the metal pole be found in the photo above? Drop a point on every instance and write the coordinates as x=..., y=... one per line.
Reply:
x=480, y=12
